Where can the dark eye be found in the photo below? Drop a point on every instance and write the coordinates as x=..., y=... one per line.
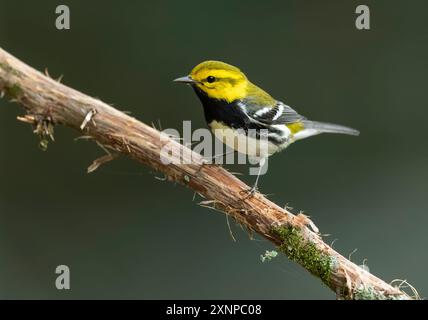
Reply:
x=210, y=79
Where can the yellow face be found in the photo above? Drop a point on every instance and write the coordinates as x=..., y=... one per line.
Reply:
x=220, y=80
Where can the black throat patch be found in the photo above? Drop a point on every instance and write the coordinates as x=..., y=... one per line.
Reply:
x=229, y=113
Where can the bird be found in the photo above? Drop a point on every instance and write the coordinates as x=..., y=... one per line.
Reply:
x=247, y=118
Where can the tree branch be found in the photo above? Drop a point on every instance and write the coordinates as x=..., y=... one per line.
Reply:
x=48, y=103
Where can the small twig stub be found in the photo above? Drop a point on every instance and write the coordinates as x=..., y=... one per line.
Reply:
x=89, y=117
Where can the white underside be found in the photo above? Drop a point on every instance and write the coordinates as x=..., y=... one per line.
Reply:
x=246, y=144
x=257, y=148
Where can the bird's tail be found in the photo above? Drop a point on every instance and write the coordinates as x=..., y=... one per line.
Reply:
x=312, y=128
x=331, y=128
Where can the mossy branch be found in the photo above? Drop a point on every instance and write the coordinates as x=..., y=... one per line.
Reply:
x=48, y=103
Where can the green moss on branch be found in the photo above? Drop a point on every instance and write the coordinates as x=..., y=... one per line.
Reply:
x=298, y=249
x=370, y=294
x=13, y=92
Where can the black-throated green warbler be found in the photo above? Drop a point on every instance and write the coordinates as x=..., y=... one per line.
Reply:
x=233, y=106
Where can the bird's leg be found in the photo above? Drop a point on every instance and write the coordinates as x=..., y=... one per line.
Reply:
x=254, y=189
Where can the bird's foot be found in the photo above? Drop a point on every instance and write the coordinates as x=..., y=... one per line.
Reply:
x=250, y=192
x=208, y=162
x=204, y=162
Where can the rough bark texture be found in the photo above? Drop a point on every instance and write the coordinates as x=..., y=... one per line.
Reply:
x=48, y=103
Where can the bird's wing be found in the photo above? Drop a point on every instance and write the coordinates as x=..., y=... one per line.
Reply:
x=278, y=114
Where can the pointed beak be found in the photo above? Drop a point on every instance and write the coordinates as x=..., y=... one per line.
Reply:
x=185, y=79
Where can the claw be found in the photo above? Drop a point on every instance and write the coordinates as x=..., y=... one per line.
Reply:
x=251, y=192
x=204, y=162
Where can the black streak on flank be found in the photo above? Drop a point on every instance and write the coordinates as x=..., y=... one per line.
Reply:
x=230, y=114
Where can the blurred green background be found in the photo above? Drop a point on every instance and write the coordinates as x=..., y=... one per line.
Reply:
x=125, y=234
